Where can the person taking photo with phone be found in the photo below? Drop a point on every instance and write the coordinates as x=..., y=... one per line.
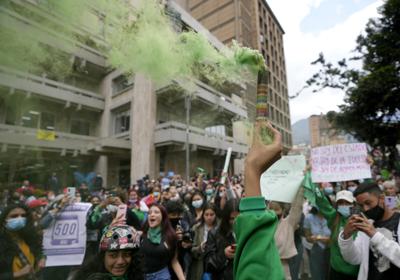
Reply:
x=376, y=248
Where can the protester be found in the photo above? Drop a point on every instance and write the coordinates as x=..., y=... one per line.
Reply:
x=118, y=257
x=21, y=253
x=256, y=253
x=159, y=246
x=317, y=232
x=207, y=223
x=337, y=219
x=197, y=204
x=284, y=235
x=376, y=248
x=180, y=221
x=221, y=242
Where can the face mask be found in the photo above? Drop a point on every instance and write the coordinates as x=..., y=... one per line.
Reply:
x=175, y=198
x=132, y=201
x=221, y=194
x=16, y=223
x=197, y=203
x=328, y=190
x=209, y=191
x=156, y=194
x=381, y=187
x=112, y=208
x=352, y=189
x=344, y=210
x=375, y=213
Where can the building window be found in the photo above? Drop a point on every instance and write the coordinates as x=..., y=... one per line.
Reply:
x=47, y=121
x=42, y=120
x=122, y=121
x=121, y=83
x=80, y=127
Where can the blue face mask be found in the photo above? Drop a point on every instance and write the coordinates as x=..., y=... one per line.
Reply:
x=344, y=210
x=209, y=191
x=156, y=194
x=15, y=224
x=328, y=190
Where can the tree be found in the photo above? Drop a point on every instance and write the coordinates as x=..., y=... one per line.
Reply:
x=372, y=103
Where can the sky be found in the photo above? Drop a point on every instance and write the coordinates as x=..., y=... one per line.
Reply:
x=314, y=26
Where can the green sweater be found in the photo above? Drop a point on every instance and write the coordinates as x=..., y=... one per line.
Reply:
x=256, y=252
x=336, y=223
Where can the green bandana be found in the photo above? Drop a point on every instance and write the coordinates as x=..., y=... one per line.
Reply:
x=154, y=235
x=125, y=277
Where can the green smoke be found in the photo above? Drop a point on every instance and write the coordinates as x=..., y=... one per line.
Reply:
x=136, y=40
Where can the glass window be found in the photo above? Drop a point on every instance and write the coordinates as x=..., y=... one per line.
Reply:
x=30, y=119
x=80, y=127
x=122, y=121
x=121, y=84
x=47, y=121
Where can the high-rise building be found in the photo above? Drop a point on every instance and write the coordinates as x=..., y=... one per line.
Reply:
x=98, y=119
x=251, y=23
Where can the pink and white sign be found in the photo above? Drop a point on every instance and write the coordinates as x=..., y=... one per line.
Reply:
x=337, y=163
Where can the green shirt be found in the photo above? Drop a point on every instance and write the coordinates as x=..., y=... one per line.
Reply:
x=336, y=223
x=256, y=254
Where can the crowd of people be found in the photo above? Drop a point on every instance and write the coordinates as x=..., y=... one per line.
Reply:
x=204, y=229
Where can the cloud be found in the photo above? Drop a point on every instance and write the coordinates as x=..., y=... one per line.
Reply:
x=301, y=48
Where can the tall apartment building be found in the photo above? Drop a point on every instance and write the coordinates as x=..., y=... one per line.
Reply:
x=98, y=119
x=251, y=23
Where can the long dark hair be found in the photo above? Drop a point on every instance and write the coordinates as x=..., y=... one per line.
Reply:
x=28, y=234
x=95, y=265
x=225, y=227
x=166, y=228
x=209, y=206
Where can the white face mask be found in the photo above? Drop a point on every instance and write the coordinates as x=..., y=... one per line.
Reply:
x=112, y=208
x=197, y=203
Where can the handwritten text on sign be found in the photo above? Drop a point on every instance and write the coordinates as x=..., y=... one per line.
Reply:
x=340, y=163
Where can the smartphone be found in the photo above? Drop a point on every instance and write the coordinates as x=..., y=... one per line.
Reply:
x=121, y=212
x=71, y=192
x=355, y=211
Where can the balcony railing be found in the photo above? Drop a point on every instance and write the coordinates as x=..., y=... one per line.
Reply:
x=27, y=137
x=175, y=132
x=55, y=90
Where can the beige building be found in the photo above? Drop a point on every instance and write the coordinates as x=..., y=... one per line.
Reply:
x=99, y=120
x=251, y=23
x=322, y=133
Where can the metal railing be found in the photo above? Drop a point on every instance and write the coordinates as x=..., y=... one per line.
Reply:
x=50, y=83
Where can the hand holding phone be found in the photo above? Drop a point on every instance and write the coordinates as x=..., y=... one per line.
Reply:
x=121, y=214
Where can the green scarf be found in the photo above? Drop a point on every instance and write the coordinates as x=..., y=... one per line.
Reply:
x=154, y=235
x=125, y=277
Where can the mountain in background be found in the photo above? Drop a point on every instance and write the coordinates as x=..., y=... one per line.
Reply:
x=301, y=132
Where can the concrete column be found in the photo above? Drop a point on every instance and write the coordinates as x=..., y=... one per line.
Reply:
x=102, y=168
x=143, y=122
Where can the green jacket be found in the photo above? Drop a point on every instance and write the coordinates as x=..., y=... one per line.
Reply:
x=256, y=252
x=336, y=223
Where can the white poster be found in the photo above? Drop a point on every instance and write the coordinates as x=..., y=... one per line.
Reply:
x=283, y=179
x=337, y=163
x=64, y=242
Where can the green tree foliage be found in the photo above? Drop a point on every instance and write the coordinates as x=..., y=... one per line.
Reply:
x=372, y=104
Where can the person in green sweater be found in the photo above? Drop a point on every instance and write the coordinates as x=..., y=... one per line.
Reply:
x=256, y=255
x=337, y=219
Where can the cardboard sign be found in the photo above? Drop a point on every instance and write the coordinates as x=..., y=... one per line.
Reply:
x=64, y=242
x=337, y=163
x=283, y=179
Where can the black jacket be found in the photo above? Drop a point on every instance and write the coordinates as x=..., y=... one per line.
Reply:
x=9, y=250
x=215, y=261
